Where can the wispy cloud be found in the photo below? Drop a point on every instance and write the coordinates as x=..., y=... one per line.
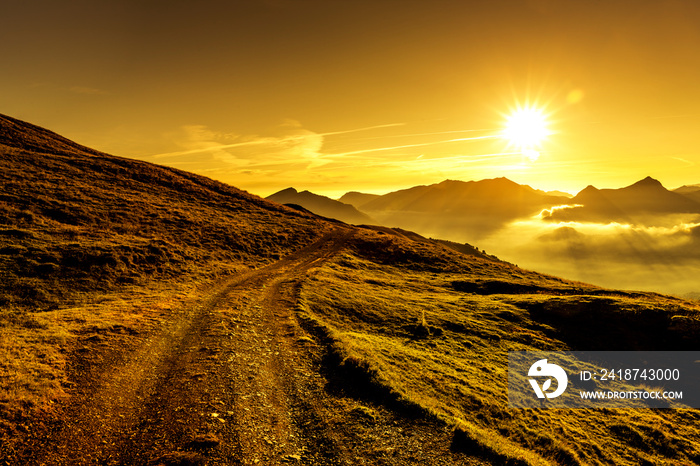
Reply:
x=366, y=128
x=407, y=146
x=206, y=139
x=433, y=133
x=685, y=161
x=87, y=90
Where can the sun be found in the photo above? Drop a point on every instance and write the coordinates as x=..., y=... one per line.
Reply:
x=527, y=128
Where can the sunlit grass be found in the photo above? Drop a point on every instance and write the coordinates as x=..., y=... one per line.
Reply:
x=35, y=348
x=445, y=351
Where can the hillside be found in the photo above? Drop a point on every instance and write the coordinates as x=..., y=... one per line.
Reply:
x=322, y=205
x=93, y=245
x=72, y=213
x=155, y=317
x=432, y=333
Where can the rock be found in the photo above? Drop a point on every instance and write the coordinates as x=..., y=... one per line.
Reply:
x=204, y=441
x=179, y=458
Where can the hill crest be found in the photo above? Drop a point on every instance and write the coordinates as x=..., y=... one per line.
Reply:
x=22, y=135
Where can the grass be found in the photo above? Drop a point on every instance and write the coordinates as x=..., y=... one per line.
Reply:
x=36, y=348
x=424, y=343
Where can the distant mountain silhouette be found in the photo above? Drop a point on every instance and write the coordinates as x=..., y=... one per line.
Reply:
x=463, y=197
x=689, y=188
x=469, y=210
x=357, y=199
x=557, y=193
x=322, y=205
x=645, y=198
x=689, y=191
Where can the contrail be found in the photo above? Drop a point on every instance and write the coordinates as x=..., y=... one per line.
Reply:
x=432, y=133
x=218, y=147
x=454, y=159
x=367, y=128
x=406, y=146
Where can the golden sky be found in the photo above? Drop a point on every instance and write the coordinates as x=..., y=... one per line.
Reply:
x=369, y=95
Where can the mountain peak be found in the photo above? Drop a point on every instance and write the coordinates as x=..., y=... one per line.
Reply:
x=500, y=179
x=287, y=192
x=588, y=190
x=647, y=182
x=688, y=188
x=449, y=182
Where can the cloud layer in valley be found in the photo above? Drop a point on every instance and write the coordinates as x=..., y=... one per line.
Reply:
x=662, y=256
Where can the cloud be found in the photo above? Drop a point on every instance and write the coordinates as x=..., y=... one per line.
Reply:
x=289, y=143
x=547, y=214
x=687, y=163
x=617, y=255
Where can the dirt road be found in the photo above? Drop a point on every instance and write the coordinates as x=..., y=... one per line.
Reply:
x=222, y=382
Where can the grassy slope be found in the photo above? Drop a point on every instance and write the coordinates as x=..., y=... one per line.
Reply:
x=91, y=243
x=403, y=323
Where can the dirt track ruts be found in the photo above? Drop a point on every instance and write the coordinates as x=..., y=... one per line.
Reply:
x=223, y=383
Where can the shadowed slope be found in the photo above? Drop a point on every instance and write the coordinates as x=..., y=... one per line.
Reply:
x=500, y=195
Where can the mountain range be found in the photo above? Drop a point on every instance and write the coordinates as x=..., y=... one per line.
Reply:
x=475, y=209
x=470, y=209
x=645, y=198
